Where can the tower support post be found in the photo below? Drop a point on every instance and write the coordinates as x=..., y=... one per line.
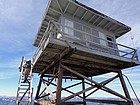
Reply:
x=124, y=87
x=39, y=86
x=59, y=85
x=84, y=94
x=86, y=84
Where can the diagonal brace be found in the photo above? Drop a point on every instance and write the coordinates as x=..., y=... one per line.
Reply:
x=66, y=52
x=97, y=84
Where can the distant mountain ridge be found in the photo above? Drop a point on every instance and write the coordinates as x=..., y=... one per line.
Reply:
x=5, y=100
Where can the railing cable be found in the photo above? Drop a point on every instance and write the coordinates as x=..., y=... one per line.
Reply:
x=132, y=38
x=132, y=88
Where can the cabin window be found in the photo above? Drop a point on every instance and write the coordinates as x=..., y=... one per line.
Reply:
x=110, y=40
x=87, y=33
x=102, y=38
x=68, y=27
x=78, y=31
x=95, y=37
x=87, y=30
x=77, y=26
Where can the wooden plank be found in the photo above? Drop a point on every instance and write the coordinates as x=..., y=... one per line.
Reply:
x=124, y=86
x=59, y=85
x=89, y=64
x=38, y=88
x=66, y=88
x=103, y=83
x=49, y=91
x=84, y=94
x=77, y=56
x=78, y=93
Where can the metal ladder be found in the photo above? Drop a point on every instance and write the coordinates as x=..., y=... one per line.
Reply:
x=25, y=90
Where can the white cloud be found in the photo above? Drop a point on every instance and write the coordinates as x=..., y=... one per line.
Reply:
x=15, y=10
x=12, y=63
x=8, y=74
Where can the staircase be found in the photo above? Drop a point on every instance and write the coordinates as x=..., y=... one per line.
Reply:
x=25, y=90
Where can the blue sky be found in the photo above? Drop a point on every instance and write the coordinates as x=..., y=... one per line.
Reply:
x=19, y=23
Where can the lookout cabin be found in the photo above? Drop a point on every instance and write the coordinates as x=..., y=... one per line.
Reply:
x=69, y=23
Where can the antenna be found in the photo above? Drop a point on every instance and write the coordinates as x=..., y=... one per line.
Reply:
x=132, y=38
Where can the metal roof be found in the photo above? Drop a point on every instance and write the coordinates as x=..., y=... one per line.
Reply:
x=76, y=9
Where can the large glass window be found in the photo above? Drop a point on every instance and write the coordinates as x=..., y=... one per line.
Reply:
x=87, y=33
x=87, y=29
x=102, y=38
x=69, y=25
x=78, y=31
x=96, y=38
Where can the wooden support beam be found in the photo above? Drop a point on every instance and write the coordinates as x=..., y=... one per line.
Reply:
x=103, y=83
x=96, y=20
x=91, y=18
x=80, y=75
x=59, y=6
x=67, y=77
x=49, y=91
x=100, y=86
x=115, y=93
x=84, y=94
x=84, y=15
x=42, y=92
x=39, y=87
x=124, y=86
x=100, y=22
x=66, y=7
x=49, y=82
x=59, y=85
x=62, y=55
x=106, y=25
x=78, y=93
x=66, y=88
x=80, y=57
x=76, y=11
x=93, y=65
x=55, y=11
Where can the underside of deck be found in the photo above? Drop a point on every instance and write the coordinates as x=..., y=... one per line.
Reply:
x=84, y=60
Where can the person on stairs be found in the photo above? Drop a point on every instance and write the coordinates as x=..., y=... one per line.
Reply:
x=27, y=69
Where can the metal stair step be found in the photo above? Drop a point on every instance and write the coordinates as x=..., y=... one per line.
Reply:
x=28, y=76
x=24, y=101
x=25, y=82
x=22, y=92
x=25, y=85
x=23, y=88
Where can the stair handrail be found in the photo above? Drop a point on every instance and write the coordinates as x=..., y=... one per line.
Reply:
x=21, y=71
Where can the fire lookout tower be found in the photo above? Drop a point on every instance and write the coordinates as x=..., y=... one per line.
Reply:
x=76, y=42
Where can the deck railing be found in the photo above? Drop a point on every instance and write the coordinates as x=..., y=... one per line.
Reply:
x=56, y=30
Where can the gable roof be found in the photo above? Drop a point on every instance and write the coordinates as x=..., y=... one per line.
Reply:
x=76, y=9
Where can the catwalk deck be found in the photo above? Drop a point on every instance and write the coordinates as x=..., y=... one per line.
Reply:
x=84, y=60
